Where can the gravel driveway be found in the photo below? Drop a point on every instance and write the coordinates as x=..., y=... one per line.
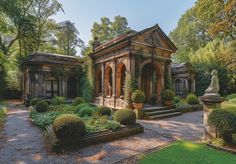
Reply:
x=24, y=143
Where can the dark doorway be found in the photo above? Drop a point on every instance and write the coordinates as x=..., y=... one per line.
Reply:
x=52, y=87
x=72, y=87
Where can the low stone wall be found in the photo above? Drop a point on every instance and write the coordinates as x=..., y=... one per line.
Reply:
x=190, y=108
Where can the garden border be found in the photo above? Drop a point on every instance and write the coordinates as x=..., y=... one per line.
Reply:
x=229, y=150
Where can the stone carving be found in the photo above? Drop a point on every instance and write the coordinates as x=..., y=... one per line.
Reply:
x=214, y=87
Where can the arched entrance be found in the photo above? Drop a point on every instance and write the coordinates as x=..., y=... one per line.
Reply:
x=149, y=82
x=72, y=87
x=99, y=82
x=108, y=81
x=52, y=87
x=120, y=79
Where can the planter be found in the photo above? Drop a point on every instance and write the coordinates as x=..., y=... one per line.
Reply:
x=168, y=102
x=138, y=106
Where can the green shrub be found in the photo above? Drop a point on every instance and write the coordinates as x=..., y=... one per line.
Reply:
x=68, y=127
x=125, y=116
x=224, y=121
x=103, y=110
x=231, y=96
x=168, y=94
x=192, y=99
x=233, y=100
x=58, y=100
x=86, y=111
x=176, y=100
x=77, y=101
x=34, y=101
x=82, y=105
x=42, y=106
x=138, y=96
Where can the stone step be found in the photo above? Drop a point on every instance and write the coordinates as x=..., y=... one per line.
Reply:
x=158, y=112
x=164, y=115
x=154, y=108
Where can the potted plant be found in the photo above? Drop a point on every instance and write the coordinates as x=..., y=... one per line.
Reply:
x=138, y=97
x=168, y=96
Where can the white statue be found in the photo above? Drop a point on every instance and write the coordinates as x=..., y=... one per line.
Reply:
x=214, y=87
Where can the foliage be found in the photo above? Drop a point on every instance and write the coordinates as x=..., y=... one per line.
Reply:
x=58, y=100
x=233, y=101
x=86, y=111
x=189, y=108
x=187, y=152
x=168, y=94
x=82, y=105
x=3, y=112
x=68, y=127
x=125, y=116
x=34, y=101
x=192, y=99
x=231, y=96
x=224, y=121
x=130, y=86
x=42, y=106
x=176, y=100
x=138, y=96
x=103, y=110
x=77, y=101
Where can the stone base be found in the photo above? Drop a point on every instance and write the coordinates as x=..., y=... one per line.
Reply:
x=139, y=113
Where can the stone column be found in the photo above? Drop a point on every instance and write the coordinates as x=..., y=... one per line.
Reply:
x=103, y=81
x=114, y=81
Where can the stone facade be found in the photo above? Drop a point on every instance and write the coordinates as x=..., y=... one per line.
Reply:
x=48, y=75
x=144, y=56
x=183, y=76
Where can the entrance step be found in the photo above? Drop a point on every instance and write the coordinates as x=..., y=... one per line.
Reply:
x=157, y=112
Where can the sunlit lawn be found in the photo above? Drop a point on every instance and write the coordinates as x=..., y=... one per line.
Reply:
x=226, y=104
x=185, y=152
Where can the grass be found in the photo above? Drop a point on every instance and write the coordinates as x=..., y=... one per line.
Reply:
x=3, y=112
x=227, y=104
x=186, y=152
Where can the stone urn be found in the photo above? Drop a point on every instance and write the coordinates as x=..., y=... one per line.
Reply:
x=138, y=98
x=168, y=102
x=167, y=97
x=138, y=106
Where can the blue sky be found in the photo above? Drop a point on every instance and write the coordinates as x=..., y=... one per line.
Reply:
x=139, y=13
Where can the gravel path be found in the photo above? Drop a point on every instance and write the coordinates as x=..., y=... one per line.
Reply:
x=24, y=143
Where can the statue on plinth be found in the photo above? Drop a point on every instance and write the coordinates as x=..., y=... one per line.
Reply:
x=213, y=89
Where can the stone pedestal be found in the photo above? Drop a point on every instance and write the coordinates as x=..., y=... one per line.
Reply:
x=210, y=102
x=139, y=113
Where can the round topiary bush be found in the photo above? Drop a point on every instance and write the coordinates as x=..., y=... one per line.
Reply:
x=77, y=101
x=103, y=110
x=168, y=94
x=86, y=111
x=42, y=106
x=176, y=100
x=233, y=101
x=138, y=96
x=68, y=127
x=125, y=116
x=82, y=105
x=58, y=100
x=34, y=101
x=192, y=99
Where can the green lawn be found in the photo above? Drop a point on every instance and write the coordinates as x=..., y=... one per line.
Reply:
x=227, y=104
x=184, y=152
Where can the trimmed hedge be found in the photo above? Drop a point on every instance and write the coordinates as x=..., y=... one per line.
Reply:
x=77, y=101
x=125, y=116
x=103, y=110
x=168, y=94
x=58, y=100
x=86, y=111
x=138, y=96
x=42, y=106
x=231, y=96
x=192, y=99
x=34, y=101
x=68, y=127
x=176, y=100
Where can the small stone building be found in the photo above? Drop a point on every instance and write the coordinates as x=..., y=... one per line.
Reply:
x=183, y=76
x=47, y=75
x=144, y=56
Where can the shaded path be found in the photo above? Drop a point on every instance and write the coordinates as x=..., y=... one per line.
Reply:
x=24, y=143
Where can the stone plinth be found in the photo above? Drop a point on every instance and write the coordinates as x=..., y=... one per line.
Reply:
x=211, y=102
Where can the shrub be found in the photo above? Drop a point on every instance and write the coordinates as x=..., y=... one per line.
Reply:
x=176, y=100
x=192, y=99
x=224, y=121
x=125, y=116
x=34, y=101
x=77, y=101
x=103, y=110
x=138, y=96
x=168, y=94
x=86, y=111
x=42, y=106
x=233, y=100
x=58, y=100
x=68, y=126
x=231, y=96
x=82, y=105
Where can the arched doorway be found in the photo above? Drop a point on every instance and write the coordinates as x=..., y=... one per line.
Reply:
x=149, y=82
x=99, y=82
x=52, y=87
x=120, y=79
x=72, y=87
x=108, y=81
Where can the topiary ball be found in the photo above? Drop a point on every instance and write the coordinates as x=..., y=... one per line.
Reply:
x=192, y=99
x=68, y=127
x=77, y=101
x=58, y=100
x=103, y=110
x=42, y=106
x=168, y=94
x=86, y=111
x=138, y=96
x=34, y=101
x=125, y=116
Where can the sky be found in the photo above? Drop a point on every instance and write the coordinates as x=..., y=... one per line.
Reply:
x=140, y=14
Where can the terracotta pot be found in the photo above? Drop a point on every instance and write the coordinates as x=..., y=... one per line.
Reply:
x=168, y=102
x=138, y=106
